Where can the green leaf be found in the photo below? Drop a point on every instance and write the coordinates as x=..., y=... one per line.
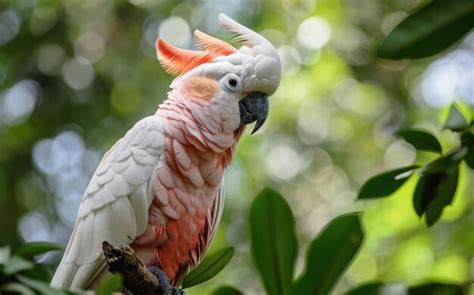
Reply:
x=16, y=288
x=424, y=191
x=434, y=288
x=447, y=162
x=467, y=141
x=469, y=158
x=40, y=272
x=444, y=195
x=386, y=183
x=455, y=120
x=330, y=254
x=37, y=248
x=434, y=174
x=437, y=186
x=273, y=241
x=227, y=290
x=17, y=264
x=374, y=288
x=109, y=285
x=210, y=266
x=40, y=286
x=421, y=140
x=429, y=30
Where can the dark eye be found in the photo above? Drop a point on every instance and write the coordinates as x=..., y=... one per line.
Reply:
x=232, y=82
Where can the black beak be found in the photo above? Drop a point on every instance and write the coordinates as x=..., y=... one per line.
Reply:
x=254, y=107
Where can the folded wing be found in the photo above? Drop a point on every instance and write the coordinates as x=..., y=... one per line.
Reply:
x=115, y=204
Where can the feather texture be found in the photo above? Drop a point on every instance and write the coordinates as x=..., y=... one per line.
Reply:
x=160, y=187
x=187, y=183
x=208, y=43
x=177, y=61
x=115, y=204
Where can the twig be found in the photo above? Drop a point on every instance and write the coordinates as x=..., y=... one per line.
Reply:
x=136, y=277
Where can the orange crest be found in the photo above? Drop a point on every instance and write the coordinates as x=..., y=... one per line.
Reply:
x=177, y=61
x=211, y=44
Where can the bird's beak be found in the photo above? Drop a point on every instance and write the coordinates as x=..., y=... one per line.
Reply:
x=254, y=107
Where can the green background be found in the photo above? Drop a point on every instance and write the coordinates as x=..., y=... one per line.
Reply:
x=75, y=75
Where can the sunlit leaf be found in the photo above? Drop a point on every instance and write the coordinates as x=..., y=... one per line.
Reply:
x=109, y=285
x=16, y=288
x=227, y=290
x=434, y=288
x=273, y=241
x=421, y=140
x=17, y=264
x=330, y=254
x=209, y=267
x=374, y=288
x=386, y=183
x=446, y=162
x=456, y=120
x=40, y=286
x=428, y=31
x=37, y=248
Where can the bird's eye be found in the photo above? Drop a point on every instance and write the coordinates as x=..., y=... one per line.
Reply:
x=232, y=82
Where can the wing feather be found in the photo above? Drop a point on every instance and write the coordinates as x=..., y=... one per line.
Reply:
x=212, y=222
x=115, y=204
x=216, y=211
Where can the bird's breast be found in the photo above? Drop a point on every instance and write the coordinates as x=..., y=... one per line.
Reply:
x=185, y=186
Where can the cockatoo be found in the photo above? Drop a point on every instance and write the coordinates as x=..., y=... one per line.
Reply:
x=159, y=189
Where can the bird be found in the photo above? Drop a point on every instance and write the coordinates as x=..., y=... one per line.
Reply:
x=159, y=189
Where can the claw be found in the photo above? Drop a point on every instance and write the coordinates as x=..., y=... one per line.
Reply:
x=166, y=286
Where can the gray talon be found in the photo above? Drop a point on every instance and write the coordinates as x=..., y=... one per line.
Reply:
x=166, y=286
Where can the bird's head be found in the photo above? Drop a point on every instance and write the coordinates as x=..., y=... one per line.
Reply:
x=238, y=80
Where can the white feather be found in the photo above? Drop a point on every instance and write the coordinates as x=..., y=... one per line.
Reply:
x=216, y=211
x=115, y=204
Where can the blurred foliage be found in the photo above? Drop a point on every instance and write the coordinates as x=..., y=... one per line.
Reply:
x=328, y=257
x=430, y=30
x=421, y=140
x=438, y=179
x=274, y=247
x=110, y=284
x=75, y=75
x=273, y=241
x=227, y=290
x=209, y=267
x=340, y=241
x=21, y=273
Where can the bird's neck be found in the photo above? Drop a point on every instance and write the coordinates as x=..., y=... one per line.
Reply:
x=200, y=126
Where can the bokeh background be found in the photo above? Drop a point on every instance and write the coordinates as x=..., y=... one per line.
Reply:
x=76, y=75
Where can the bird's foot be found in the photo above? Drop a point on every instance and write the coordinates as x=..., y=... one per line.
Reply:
x=165, y=284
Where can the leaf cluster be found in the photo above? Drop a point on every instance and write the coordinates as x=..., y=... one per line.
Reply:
x=438, y=179
x=21, y=274
x=274, y=249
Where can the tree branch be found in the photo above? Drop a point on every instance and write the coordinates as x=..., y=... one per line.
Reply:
x=136, y=277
